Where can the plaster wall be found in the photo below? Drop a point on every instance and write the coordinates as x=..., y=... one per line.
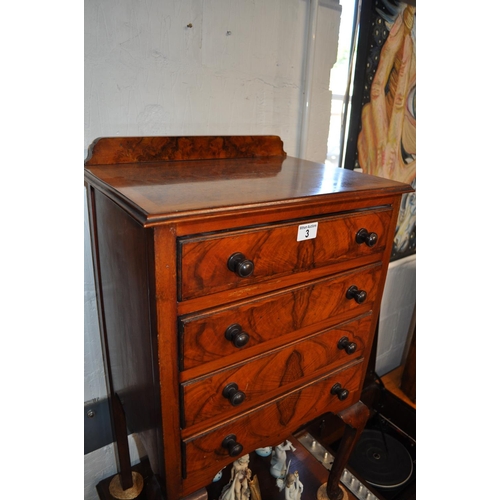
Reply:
x=197, y=67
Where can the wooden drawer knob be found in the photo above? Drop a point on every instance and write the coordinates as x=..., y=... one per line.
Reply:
x=236, y=335
x=240, y=265
x=232, y=392
x=349, y=347
x=353, y=292
x=232, y=445
x=340, y=392
x=363, y=236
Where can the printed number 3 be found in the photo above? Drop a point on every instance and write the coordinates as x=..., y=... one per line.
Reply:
x=307, y=233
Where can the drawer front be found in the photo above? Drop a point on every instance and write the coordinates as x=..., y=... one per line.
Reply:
x=239, y=388
x=204, y=455
x=275, y=251
x=208, y=338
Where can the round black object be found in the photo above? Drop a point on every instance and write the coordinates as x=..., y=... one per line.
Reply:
x=381, y=460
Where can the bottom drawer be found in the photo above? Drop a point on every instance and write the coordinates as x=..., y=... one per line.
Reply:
x=204, y=454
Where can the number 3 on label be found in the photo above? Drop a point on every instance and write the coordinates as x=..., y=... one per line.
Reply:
x=307, y=231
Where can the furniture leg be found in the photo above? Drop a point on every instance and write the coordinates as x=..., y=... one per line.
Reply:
x=355, y=418
x=127, y=484
x=120, y=431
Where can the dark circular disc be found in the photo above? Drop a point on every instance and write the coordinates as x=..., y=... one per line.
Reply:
x=381, y=461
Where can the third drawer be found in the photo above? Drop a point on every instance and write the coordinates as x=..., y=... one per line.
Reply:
x=224, y=393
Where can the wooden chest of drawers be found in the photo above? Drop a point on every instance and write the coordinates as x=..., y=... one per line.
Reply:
x=238, y=291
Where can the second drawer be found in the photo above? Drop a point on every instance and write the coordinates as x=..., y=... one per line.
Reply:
x=223, y=332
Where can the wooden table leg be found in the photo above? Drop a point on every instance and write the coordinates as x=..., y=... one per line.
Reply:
x=121, y=439
x=355, y=418
x=127, y=483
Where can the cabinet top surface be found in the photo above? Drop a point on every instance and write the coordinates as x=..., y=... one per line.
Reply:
x=170, y=188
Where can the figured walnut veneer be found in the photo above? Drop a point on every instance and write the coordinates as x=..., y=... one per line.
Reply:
x=113, y=150
x=168, y=215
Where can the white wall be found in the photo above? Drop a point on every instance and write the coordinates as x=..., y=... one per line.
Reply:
x=238, y=70
x=396, y=314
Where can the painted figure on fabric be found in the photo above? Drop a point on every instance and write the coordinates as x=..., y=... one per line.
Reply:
x=387, y=141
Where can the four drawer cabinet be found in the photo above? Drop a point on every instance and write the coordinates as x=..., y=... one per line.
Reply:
x=238, y=291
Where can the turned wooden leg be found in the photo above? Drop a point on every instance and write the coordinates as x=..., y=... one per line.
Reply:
x=127, y=483
x=355, y=418
x=121, y=439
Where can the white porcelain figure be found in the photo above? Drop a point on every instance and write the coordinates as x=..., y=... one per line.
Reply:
x=278, y=459
x=293, y=488
x=238, y=488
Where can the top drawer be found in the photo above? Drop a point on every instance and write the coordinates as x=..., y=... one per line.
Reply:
x=278, y=250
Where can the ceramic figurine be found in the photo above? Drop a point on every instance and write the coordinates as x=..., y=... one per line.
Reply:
x=281, y=482
x=278, y=459
x=255, y=488
x=218, y=476
x=238, y=487
x=264, y=452
x=293, y=487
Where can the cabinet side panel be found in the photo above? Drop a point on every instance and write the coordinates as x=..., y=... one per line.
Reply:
x=124, y=251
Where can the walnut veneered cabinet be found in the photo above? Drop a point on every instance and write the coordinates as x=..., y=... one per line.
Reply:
x=238, y=291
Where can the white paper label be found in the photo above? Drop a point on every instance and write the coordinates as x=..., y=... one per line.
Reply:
x=307, y=231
